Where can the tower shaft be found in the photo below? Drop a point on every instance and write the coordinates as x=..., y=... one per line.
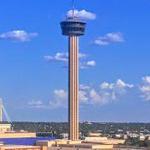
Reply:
x=73, y=28
x=73, y=88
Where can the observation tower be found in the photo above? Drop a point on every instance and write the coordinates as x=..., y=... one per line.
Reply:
x=73, y=27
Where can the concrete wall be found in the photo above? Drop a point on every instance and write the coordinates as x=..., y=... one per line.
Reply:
x=15, y=147
x=17, y=135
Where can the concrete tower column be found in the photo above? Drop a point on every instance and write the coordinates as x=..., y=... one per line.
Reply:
x=73, y=89
x=73, y=27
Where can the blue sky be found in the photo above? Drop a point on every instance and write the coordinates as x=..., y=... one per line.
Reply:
x=114, y=60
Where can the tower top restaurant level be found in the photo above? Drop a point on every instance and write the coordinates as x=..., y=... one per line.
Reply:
x=73, y=26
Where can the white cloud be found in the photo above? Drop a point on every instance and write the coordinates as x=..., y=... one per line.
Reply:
x=146, y=79
x=83, y=96
x=18, y=35
x=89, y=95
x=145, y=88
x=1, y=99
x=84, y=87
x=119, y=84
x=106, y=85
x=114, y=37
x=35, y=104
x=62, y=94
x=106, y=93
x=82, y=55
x=91, y=63
x=59, y=99
x=82, y=14
x=63, y=57
x=87, y=64
x=94, y=96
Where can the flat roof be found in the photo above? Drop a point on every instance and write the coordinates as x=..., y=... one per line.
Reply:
x=23, y=141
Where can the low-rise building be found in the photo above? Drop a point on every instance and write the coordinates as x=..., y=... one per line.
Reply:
x=5, y=127
x=91, y=134
x=73, y=145
x=20, y=147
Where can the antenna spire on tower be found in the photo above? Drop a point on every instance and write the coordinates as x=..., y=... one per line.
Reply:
x=73, y=8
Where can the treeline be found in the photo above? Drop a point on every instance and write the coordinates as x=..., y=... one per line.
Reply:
x=56, y=128
x=137, y=142
x=42, y=128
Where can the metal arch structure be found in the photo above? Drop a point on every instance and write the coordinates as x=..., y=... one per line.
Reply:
x=3, y=112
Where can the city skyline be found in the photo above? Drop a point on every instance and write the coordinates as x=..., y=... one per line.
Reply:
x=114, y=60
